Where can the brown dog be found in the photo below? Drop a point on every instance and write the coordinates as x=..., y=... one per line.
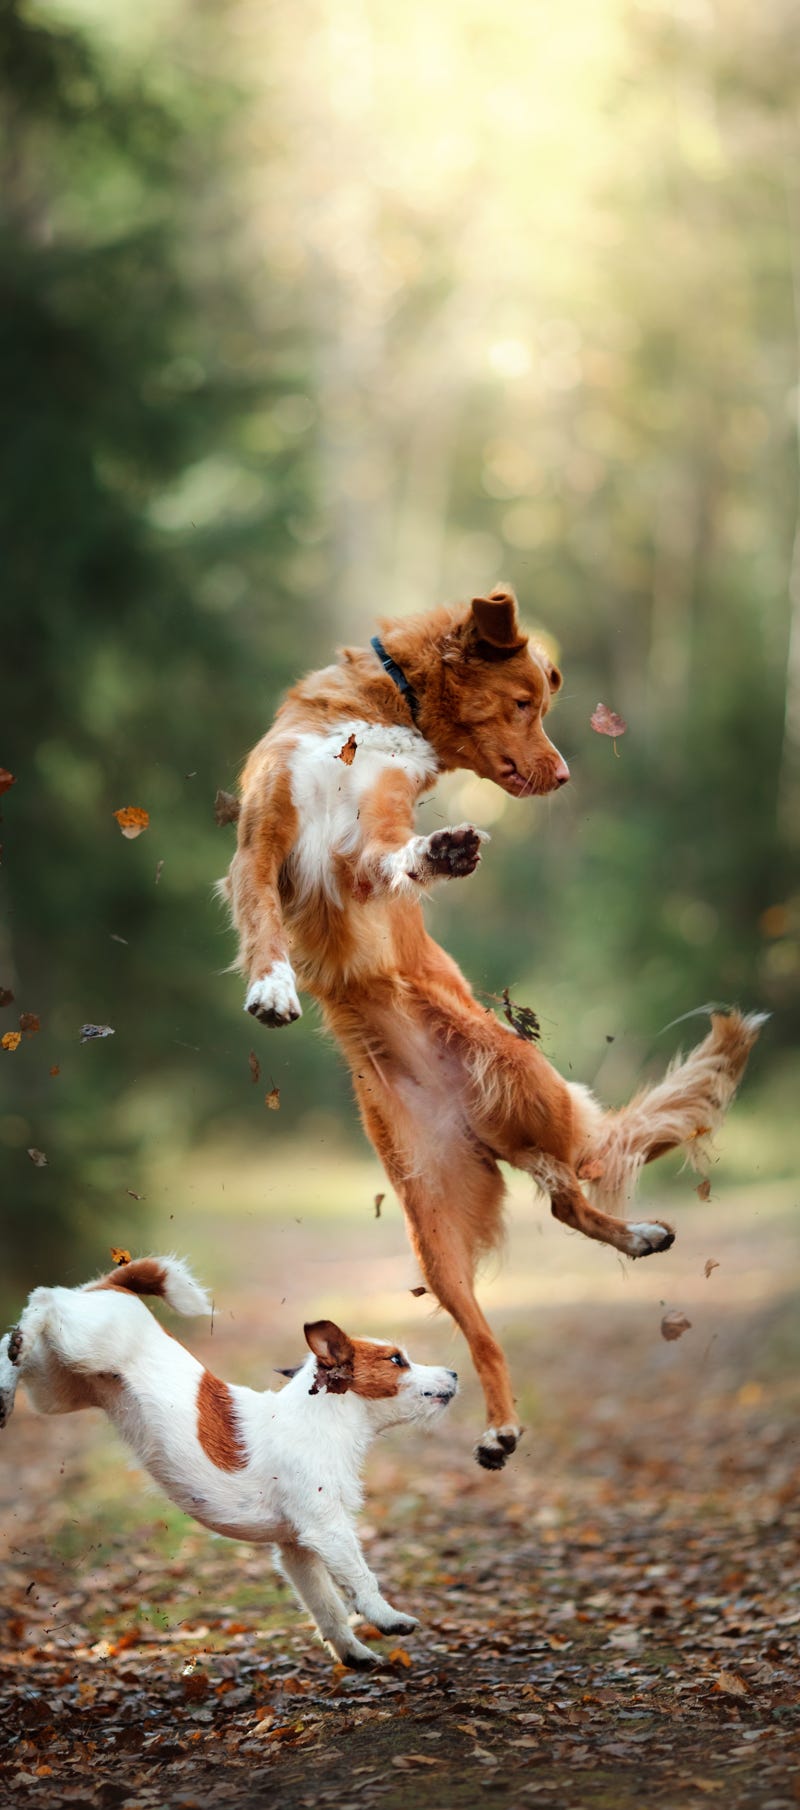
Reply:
x=325, y=890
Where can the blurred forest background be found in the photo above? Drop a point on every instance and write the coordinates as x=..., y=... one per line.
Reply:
x=310, y=315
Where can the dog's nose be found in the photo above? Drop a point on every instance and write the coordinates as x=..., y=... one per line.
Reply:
x=454, y=1374
x=561, y=774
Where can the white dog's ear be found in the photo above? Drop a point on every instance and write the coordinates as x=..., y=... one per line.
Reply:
x=331, y=1346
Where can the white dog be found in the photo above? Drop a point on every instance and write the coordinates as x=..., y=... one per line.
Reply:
x=281, y=1468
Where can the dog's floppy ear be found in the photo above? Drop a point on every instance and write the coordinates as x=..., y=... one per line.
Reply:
x=331, y=1346
x=494, y=621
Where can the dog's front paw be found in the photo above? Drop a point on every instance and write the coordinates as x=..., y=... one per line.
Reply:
x=648, y=1236
x=452, y=854
x=357, y=1657
x=496, y=1445
x=394, y=1623
x=273, y=999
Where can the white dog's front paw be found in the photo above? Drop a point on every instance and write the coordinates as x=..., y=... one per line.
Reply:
x=392, y=1621
x=273, y=999
x=354, y=1654
x=648, y=1236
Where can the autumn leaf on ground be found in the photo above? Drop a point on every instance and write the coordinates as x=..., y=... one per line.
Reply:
x=709, y=1265
x=38, y=1159
x=703, y=1189
x=118, y=1255
x=11, y=1040
x=273, y=1099
x=90, y=1031
x=606, y=722
x=132, y=820
x=29, y=1024
x=399, y=1656
x=674, y=1324
x=522, y=1019
x=348, y=752
x=6, y=996
x=227, y=809
x=379, y=1199
x=7, y=780
x=731, y=1684
x=255, y=1067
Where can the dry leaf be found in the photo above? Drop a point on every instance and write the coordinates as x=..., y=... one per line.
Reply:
x=709, y=1265
x=158, y=871
x=731, y=1684
x=55, y=1070
x=132, y=820
x=522, y=1019
x=674, y=1324
x=606, y=722
x=227, y=809
x=133, y=1194
x=11, y=1040
x=7, y=780
x=399, y=1656
x=704, y=1189
x=273, y=1099
x=38, y=1159
x=90, y=1031
x=378, y=1202
x=418, y=1291
x=118, y=1255
x=6, y=996
x=29, y=1023
x=348, y=752
x=255, y=1067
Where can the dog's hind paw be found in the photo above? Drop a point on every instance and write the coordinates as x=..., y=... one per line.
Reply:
x=648, y=1236
x=496, y=1445
x=273, y=999
x=358, y=1657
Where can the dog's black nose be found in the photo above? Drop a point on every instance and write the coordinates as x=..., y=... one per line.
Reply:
x=454, y=1374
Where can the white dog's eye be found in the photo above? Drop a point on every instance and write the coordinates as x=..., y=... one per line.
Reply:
x=398, y=1359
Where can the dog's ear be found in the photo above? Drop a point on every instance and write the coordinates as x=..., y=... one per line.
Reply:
x=292, y=1371
x=494, y=622
x=331, y=1347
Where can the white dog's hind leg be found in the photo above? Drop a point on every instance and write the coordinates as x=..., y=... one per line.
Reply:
x=312, y=1582
x=9, y=1374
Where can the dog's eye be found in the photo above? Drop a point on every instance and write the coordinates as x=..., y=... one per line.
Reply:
x=522, y=703
x=398, y=1359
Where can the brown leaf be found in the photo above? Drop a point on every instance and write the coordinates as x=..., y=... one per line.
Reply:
x=399, y=1656
x=132, y=820
x=90, y=1031
x=404, y=1760
x=704, y=1189
x=378, y=1202
x=55, y=1070
x=6, y=996
x=606, y=722
x=731, y=1684
x=38, y=1159
x=118, y=1255
x=11, y=1040
x=273, y=1099
x=348, y=752
x=522, y=1019
x=418, y=1291
x=674, y=1324
x=709, y=1265
x=227, y=809
x=255, y=1067
x=133, y=1194
x=29, y=1023
x=7, y=780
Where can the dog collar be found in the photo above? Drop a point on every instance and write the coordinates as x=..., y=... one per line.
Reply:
x=397, y=674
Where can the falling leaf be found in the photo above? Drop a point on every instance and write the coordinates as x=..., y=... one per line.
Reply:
x=7, y=780
x=29, y=1023
x=6, y=996
x=90, y=1031
x=709, y=1265
x=159, y=869
x=703, y=1189
x=731, y=1684
x=348, y=752
x=606, y=722
x=133, y=1194
x=674, y=1324
x=255, y=1067
x=55, y=1070
x=418, y=1291
x=118, y=1255
x=522, y=1019
x=38, y=1159
x=11, y=1040
x=377, y=1203
x=132, y=820
x=273, y=1099
x=227, y=809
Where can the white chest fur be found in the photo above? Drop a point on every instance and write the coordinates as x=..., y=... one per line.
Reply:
x=328, y=793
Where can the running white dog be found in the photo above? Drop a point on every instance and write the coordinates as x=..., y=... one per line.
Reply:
x=281, y=1468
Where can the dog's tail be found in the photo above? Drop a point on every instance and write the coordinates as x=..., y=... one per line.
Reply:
x=168, y=1277
x=681, y=1112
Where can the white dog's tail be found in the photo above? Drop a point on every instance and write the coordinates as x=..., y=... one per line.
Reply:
x=168, y=1277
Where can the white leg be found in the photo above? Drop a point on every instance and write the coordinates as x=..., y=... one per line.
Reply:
x=312, y=1582
x=9, y=1377
x=341, y=1554
x=445, y=855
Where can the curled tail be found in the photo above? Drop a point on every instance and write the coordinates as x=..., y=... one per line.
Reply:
x=681, y=1112
x=168, y=1277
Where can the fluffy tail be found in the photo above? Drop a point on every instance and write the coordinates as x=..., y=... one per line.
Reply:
x=168, y=1277
x=681, y=1112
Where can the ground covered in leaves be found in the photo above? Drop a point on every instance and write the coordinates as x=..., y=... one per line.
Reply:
x=612, y=1621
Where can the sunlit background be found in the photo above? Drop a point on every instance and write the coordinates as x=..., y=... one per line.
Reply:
x=316, y=313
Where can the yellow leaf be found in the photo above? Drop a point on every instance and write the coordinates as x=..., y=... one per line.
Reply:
x=399, y=1656
x=132, y=820
x=118, y=1255
x=11, y=1040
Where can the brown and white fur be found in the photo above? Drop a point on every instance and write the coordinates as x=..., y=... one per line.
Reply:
x=281, y=1468
x=326, y=889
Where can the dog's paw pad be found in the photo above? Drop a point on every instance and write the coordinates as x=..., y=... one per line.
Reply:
x=14, y=1344
x=273, y=999
x=649, y=1236
x=454, y=853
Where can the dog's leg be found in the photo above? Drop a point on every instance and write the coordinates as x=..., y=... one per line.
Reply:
x=10, y=1346
x=635, y=1238
x=338, y=1549
x=395, y=860
x=267, y=831
x=312, y=1582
